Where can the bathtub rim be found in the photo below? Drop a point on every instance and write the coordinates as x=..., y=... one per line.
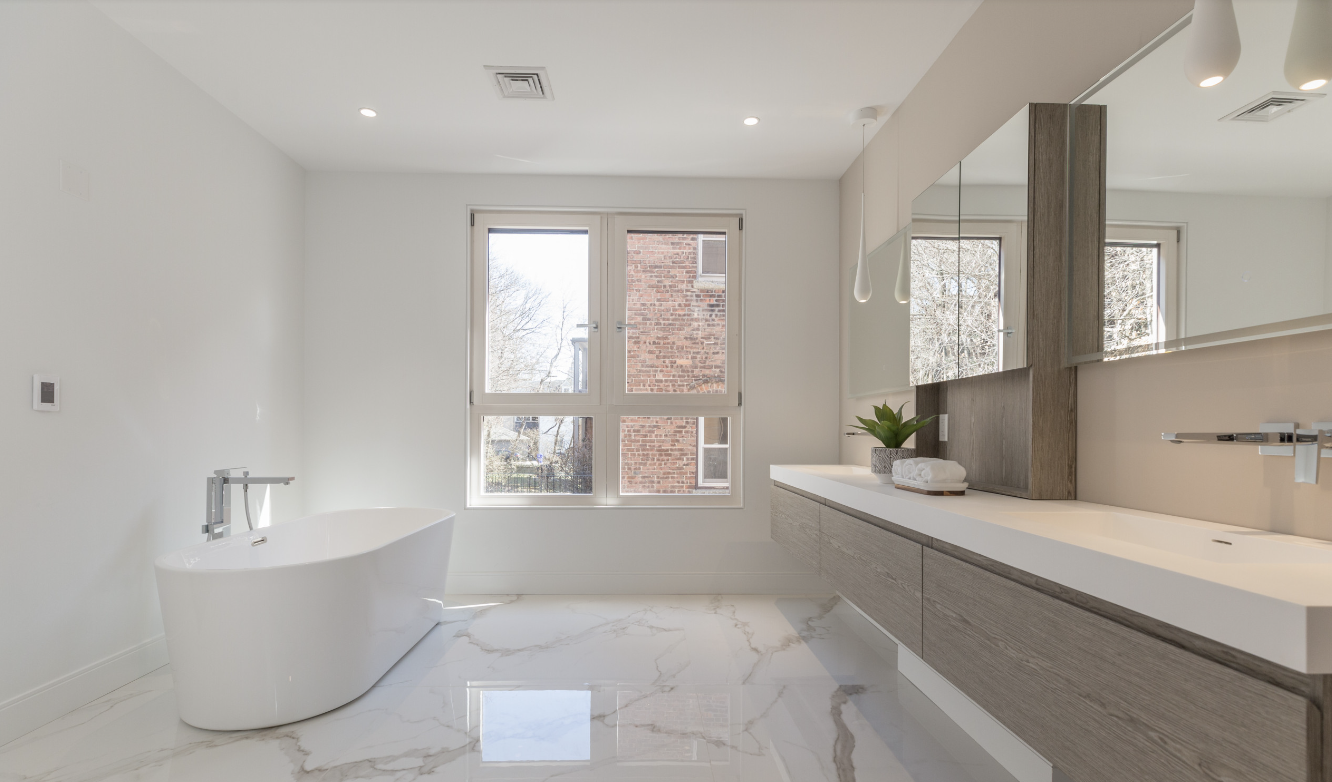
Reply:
x=161, y=563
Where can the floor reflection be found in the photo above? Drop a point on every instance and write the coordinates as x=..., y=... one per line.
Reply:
x=673, y=726
x=535, y=725
x=727, y=689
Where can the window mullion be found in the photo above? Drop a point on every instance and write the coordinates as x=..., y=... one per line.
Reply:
x=606, y=403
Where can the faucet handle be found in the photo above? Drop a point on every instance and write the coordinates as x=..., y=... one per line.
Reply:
x=1310, y=446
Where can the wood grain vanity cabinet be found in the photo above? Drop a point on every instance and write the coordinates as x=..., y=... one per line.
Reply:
x=875, y=569
x=795, y=525
x=1103, y=702
x=1104, y=694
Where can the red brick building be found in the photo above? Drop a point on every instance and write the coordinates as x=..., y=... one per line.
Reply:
x=676, y=300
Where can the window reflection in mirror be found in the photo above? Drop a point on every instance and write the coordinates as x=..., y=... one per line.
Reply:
x=993, y=230
x=935, y=266
x=968, y=263
x=1218, y=201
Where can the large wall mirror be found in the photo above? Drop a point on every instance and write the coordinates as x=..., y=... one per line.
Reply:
x=965, y=256
x=1217, y=201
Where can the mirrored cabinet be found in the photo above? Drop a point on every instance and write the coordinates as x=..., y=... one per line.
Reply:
x=980, y=333
x=958, y=309
x=1216, y=219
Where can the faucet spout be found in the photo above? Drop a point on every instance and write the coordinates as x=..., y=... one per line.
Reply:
x=217, y=520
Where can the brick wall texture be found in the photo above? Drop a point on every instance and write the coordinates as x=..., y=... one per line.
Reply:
x=673, y=726
x=677, y=345
x=678, y=340
x=658, y=455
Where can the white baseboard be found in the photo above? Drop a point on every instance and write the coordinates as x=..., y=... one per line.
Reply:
x=1019, y=759
x=33, y=709
x=565, y=583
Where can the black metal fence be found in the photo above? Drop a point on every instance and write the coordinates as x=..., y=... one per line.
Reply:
x=578, y=483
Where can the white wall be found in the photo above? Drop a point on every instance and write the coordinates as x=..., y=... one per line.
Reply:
x=386, y=382
x=1327, y=242
x=170, y=305
x=1280, y=243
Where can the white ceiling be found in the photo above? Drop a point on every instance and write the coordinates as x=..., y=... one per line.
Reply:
x=642, y=87
x=1164, y=134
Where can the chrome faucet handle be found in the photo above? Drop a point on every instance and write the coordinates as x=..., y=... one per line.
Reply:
x=1311, y=445
x=217, y=515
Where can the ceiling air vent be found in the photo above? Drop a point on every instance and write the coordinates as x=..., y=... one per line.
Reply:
x=1271, y=106
x=521, y=83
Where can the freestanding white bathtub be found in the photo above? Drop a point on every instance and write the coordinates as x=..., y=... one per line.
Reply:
x=318, y=608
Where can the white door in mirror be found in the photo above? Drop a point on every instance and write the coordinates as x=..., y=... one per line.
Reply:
x=46, y=393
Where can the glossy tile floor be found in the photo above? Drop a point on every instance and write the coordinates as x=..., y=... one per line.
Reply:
x=755, y=688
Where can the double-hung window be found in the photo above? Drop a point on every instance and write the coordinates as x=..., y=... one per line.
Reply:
x=605, y=359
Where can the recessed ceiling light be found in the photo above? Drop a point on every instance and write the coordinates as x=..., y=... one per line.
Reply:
x=751, y=120
x=368, y=112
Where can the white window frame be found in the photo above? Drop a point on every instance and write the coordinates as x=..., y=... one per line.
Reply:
x=1169, y=272
x=484, y=221
x=702, y=274
x=606, y=401
x=1012, y=235
x=703, y=447
x=620, y=228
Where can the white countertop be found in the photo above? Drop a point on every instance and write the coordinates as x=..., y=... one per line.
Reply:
x=1279, y=612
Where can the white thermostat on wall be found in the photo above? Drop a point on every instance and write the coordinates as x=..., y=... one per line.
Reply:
x=46, y=393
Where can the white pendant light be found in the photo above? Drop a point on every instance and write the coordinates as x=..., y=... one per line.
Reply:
x=1309, y=54
x=902, y=291
x=862, y=290
x=1213, y=47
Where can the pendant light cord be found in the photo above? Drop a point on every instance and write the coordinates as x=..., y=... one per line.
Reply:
x=862, y=170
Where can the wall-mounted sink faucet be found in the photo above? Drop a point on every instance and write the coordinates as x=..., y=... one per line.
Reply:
x=217, y=522
x=1282, y=439
x=1310, y=444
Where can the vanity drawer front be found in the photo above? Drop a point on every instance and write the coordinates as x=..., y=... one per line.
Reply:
x=1103, y=702
x=795, y=525
x=878, y=571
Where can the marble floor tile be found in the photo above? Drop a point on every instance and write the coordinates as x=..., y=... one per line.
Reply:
x=719, y=688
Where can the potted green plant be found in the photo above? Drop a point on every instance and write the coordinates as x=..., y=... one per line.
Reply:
x=889, y=428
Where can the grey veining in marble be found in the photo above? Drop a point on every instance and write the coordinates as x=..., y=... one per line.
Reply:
x=746, y=688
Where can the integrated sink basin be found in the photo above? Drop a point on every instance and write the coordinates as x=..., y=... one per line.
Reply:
x=1210, y=542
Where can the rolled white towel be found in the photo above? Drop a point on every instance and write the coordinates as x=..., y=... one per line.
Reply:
x=912, y=471
x=941, y=472
x=907, y=469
